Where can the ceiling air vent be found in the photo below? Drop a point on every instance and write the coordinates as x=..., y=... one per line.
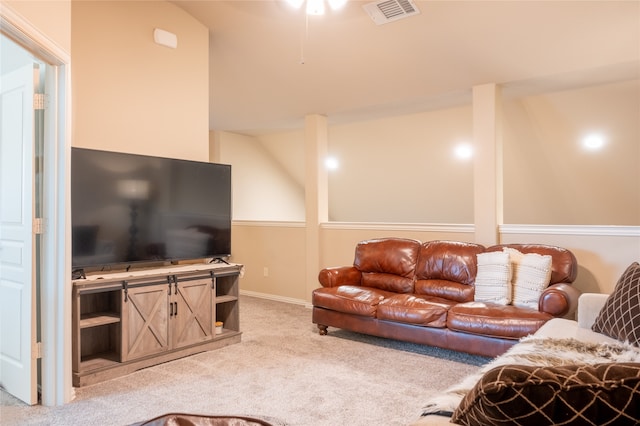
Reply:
x=385, y=11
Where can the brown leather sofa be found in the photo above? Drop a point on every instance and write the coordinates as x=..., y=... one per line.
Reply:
x=424, y=293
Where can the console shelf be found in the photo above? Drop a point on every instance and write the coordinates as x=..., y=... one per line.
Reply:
x=126, y=321
x=223, y=299
x=98, y=318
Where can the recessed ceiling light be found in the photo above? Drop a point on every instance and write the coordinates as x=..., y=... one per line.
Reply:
x=464, y=151
x=593, y=142
x=331, y=163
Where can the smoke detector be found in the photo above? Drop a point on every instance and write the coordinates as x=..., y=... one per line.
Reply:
x=385, y=11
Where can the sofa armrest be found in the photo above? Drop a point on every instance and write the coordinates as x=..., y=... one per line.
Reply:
x=589, y=307
x=340, y=275
x=559, y=300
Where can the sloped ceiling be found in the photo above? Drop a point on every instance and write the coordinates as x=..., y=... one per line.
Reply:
x=271, y=65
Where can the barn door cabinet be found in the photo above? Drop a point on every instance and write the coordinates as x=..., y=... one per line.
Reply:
x=127, y=321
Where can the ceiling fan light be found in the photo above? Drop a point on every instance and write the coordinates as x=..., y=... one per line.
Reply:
x=315, y=7
x=295, y=3
x=336, y=4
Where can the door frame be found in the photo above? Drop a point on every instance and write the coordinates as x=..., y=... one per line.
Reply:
x=56, y=383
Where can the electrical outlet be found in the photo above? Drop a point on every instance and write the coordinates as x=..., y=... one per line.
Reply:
x=265, y=271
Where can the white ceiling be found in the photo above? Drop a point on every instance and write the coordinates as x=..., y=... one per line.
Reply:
x=270, y=66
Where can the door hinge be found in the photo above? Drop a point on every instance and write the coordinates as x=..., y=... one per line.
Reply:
x=37, y=350
x=39, y=101
x=38, y=226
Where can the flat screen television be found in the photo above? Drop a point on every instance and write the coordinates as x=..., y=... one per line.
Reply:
x=128, y=208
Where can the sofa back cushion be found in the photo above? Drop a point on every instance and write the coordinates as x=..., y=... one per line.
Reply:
x=564, y=266
x=388, y=263
x=447, y=269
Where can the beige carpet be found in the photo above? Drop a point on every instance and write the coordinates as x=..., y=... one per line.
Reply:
x=283, y=372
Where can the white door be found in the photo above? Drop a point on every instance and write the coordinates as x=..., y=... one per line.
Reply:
x=18, y=362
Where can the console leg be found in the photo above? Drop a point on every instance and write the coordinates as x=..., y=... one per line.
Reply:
x=322, y=330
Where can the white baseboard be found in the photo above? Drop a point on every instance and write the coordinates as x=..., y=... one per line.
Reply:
x=276, y=298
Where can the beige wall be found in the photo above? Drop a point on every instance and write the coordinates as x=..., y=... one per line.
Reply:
x=51, y=17
x=383, y=164
x=399, y=169
x=132, y=95
x=602, y=255
x=288, y=150
x=274, y=259
x=551, y=179
x=262, y=188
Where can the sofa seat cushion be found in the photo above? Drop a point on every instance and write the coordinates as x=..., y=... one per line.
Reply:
x=490, y=319
x=412, y=309
x=350, y=299
x=562, y=328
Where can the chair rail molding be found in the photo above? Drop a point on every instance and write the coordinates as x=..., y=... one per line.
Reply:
x=592, y=230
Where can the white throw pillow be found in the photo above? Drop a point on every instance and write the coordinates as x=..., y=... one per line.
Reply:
x=531, y=275
x=493, y=279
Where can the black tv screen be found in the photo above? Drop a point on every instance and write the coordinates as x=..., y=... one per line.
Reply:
x=128, y=208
